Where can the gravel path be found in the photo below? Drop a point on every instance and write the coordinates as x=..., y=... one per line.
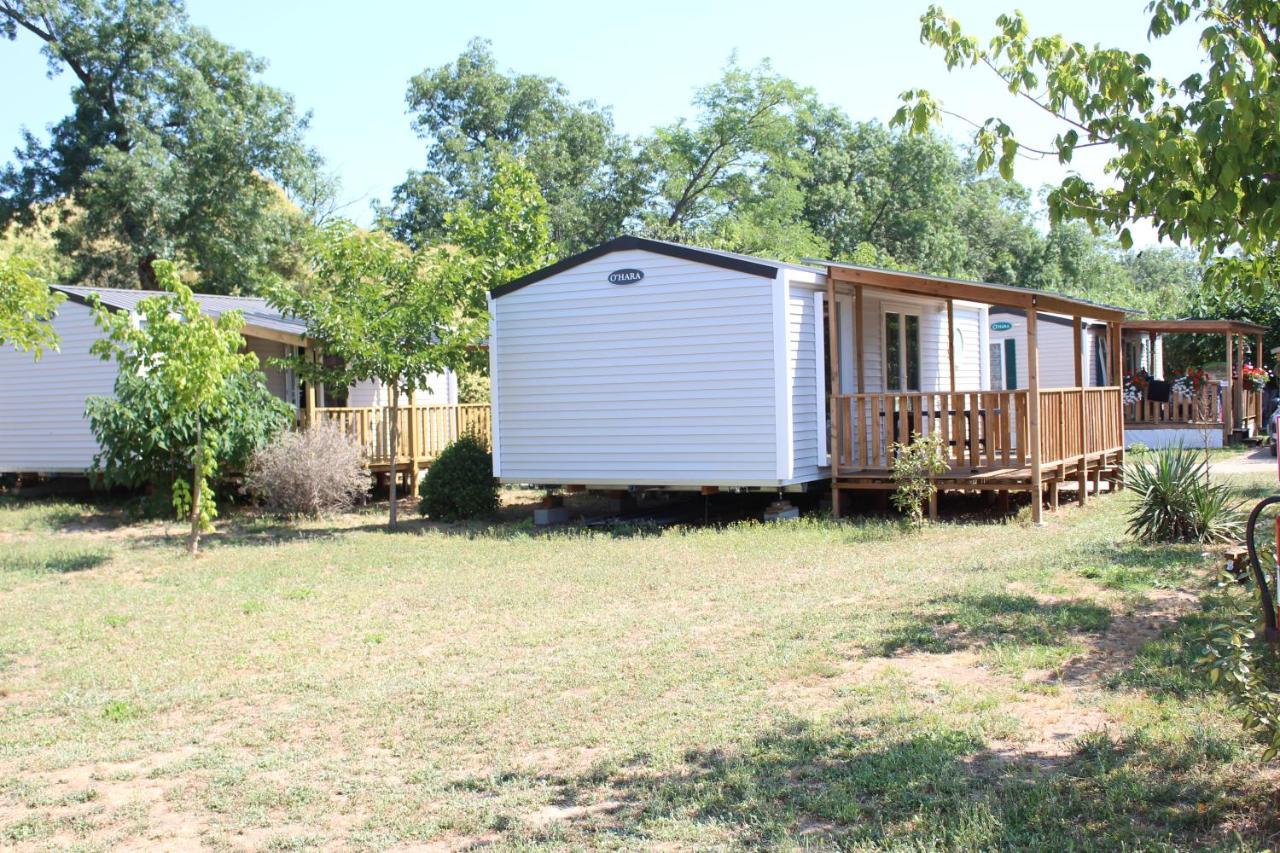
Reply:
x=1256, y=461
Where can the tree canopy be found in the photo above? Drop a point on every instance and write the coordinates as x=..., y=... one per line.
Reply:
x=173, y=148
x=1197, y=157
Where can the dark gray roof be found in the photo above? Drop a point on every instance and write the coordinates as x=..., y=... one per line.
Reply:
x=257, y=313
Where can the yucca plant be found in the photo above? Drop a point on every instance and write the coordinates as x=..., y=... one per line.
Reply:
x=1177, y=501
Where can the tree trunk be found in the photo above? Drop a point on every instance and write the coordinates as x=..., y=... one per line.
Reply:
x=197, y=481
x=395, y=446
x=147, y=272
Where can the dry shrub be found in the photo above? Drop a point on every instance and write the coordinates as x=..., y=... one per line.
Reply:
x=309, y=473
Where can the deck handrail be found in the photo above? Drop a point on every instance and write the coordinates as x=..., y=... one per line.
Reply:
x=979, y=429
x=1180, y=410
x=423, y=431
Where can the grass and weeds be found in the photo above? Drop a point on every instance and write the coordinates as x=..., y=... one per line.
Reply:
x=810, y=684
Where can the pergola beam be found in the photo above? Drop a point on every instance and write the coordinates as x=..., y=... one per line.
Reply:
x=973, y=291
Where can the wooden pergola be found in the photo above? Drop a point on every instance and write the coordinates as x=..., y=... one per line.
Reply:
x=1085, y=431
x=1237, y=401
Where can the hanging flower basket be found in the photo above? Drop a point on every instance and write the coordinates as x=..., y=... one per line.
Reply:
x=1135, y=386
x=1192, y=382
x=1255, y=377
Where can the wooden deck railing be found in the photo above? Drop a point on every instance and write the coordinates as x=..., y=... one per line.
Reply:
x=1204, y=408
x=1077, y=422
x=423, y=430
x=979, y=429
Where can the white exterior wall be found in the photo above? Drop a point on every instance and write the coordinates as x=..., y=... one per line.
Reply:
x=442, y=389
x=969, y=351
x=1057, y=362
x=42, y=423
x=806, y=356
x=672, y=381
x=1156, y=438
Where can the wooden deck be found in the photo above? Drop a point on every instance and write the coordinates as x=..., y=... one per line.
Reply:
x=985, y=435
x=424, y=431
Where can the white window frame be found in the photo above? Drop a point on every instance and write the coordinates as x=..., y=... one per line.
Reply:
x=903, y=311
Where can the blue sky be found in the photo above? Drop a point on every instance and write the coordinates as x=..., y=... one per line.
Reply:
x=348, y=64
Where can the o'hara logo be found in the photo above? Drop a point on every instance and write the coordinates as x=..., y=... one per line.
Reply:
x=627, y=276
x=1001, y=326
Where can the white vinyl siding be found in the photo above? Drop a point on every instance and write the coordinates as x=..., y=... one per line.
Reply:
x=668, y=381
x=968, y=355
x=441, y=389
x=1056, y=339
x=802, y=362
x=42, y=422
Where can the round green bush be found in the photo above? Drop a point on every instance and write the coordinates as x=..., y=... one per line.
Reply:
x=460, y=483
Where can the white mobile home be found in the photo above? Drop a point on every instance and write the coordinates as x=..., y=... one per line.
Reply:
x=43, y=428
x=651, y=364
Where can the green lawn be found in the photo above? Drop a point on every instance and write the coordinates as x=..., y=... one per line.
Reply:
x=803, y=684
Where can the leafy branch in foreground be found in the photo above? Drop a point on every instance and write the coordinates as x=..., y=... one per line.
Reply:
x=1199, y=158
x=1233, y=660
x=27, y=307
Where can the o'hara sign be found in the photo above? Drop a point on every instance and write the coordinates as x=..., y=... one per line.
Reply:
x=626, y=276
x=1001, y=326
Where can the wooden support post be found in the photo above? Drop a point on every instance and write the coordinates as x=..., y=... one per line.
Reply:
x=1117, y=355
x=857, y=327
x=951, y=341
x=1228, y=396
x=833, y=360
x=414, y=452
x=1077, y=330
x=1053, y=494
x=933, y=505
x=1033, y=414
x=1082, y=482
x=311, y=392
x=1151, y=355
x=1097, y=480
x=1259, y=360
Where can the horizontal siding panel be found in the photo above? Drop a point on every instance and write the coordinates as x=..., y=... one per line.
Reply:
x=670, y=378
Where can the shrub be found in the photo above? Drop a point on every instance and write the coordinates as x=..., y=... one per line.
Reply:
x=460, y=483
x=914, y=465
x=143, y=441
x=1177, y=502
x=308, y=473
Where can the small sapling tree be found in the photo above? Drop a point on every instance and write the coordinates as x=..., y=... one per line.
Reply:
x=914, y=467
x=193, y=361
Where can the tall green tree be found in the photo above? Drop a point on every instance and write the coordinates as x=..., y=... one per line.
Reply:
x=1198, y=157
x=732, y=175
x=472, y=116
x=173, y=148
x=397, y=315
x=193, y=362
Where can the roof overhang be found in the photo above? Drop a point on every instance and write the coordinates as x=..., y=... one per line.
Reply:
x=249, y=329
x=992, y=294
x=1195, y=327
x=737, y=263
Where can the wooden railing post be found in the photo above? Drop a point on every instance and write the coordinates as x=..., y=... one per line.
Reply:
x=1033, y=414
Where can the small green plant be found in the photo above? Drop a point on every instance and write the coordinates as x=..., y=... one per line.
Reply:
x=1235, y=660
x=1177, y=502
x=914, y=466
x=460, y=483
x=120, y=710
